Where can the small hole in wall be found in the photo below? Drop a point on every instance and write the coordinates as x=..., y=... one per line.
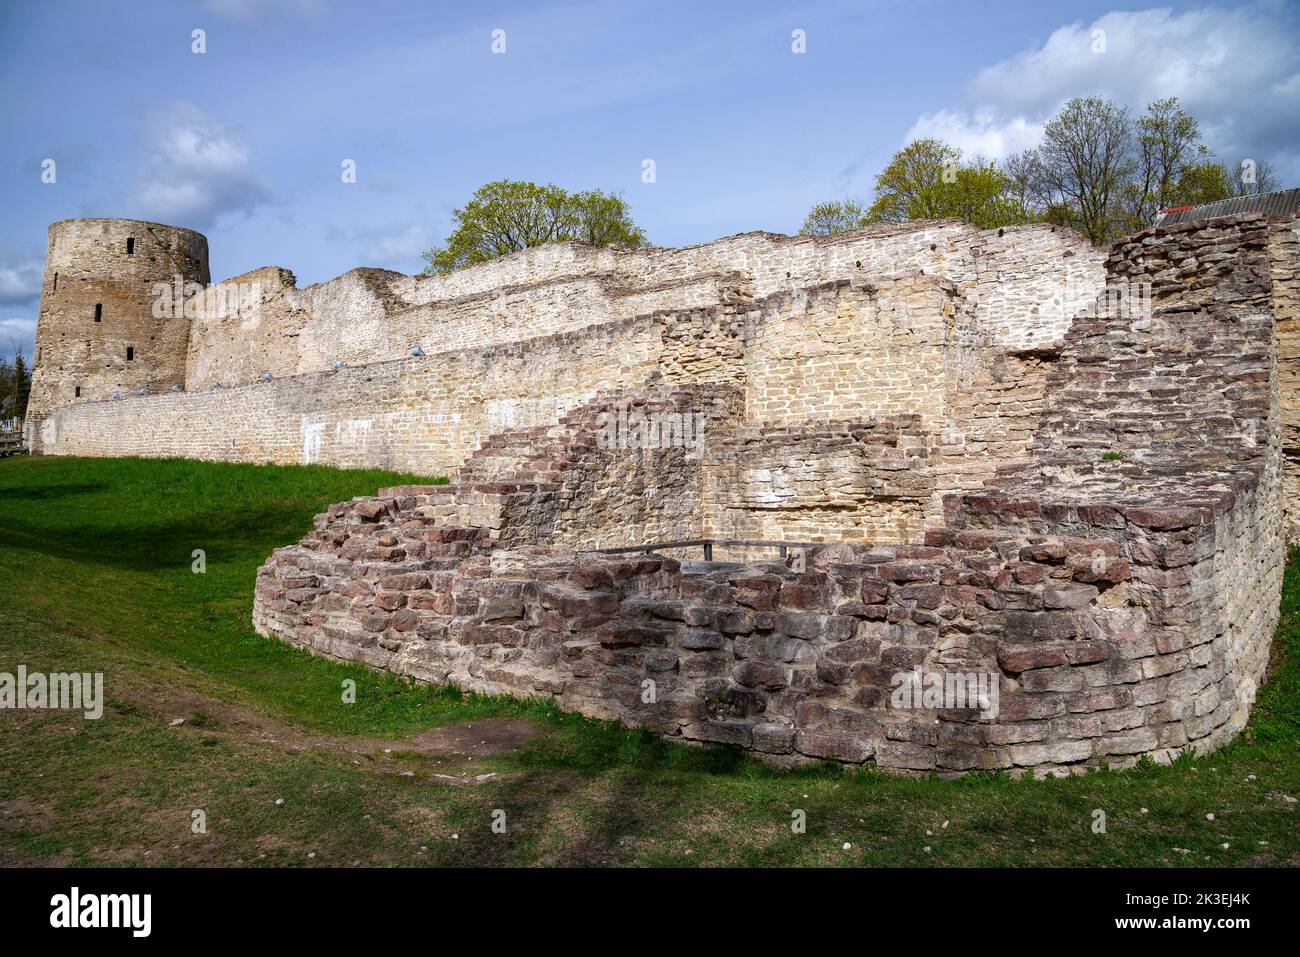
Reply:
x=99, y=311
x=78, y=395
x=1001, y=232
x=933, y=247
x=130, y=246
x=56, y=282
x=858, y=264
x=130, y=353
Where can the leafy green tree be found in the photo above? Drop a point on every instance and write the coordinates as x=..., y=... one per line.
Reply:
x=927, y=179
x=913, y=184
x=834, y=216
x=981, y=194
x=505, y=216
x=1167, y=145
x=1105, y=175
x=1204, y=182
x=1097, y=170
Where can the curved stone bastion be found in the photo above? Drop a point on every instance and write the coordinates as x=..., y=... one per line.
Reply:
x=1042, y=556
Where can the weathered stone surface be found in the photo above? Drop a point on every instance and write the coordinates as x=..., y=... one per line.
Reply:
x=831, y=744
x=700, y=639
x=773, y=738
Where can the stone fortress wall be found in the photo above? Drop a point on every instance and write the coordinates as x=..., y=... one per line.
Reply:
x=1284, y=254
x=1117, y=584
x=1025, y=283
x=916, y=319
x=1010, y=474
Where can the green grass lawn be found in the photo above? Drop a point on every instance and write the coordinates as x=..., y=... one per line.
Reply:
x=95, y=576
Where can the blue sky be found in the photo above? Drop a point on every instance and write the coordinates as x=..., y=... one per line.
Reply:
x=245, y=142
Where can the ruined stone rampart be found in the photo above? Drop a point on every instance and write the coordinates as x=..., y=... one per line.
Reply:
x=1021, y=285
x=1024, y=284
x=903, y=345
x=1058, y=484
x=1116, y=584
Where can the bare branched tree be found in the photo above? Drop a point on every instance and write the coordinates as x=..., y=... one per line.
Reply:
x=1085, y=158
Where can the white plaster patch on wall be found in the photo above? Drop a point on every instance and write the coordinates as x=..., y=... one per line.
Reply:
x=352, y=432
x=49, y=430
x=311, y=436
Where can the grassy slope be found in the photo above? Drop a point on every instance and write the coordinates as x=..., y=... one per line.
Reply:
x=95, y=576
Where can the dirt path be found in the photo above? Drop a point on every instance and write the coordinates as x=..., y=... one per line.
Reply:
x=452, y=749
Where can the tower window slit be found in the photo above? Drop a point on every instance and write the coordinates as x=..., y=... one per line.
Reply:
x=99, y=311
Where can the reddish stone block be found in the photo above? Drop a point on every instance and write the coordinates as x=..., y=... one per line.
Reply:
x=1018, y=658
x=760, y=674
x=759, y=592
x=622, y=634
x=909, y=572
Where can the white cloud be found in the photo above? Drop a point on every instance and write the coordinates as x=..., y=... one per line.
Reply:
x=197, y=171
x=1234, y=70
x=20, y=283
x=978, y=134
x=19, y=331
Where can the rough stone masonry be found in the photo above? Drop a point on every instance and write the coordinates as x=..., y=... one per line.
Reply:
x=1030, y=496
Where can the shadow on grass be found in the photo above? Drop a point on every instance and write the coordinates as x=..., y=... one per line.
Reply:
x=48, y=492
x=229, y=536
x=592, y=818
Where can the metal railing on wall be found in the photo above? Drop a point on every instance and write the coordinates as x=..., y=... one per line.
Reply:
x=11, y=443
x=783, y=548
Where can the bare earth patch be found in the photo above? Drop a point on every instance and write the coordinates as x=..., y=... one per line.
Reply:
x=453, y=745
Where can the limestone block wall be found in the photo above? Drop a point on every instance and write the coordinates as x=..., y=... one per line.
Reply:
x=1030, y=283
x=425, y=414
x=1024, y=284
x=1117, y=607
x=1284, y=261
x=511, y=314
x=809, y=362
x=621, y=470
x=994, y=411
x=895, y=347
x=525, y=268
x=818, y=481
x=234, y=345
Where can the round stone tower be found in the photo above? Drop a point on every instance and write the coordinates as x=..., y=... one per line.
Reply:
x=105, y=323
